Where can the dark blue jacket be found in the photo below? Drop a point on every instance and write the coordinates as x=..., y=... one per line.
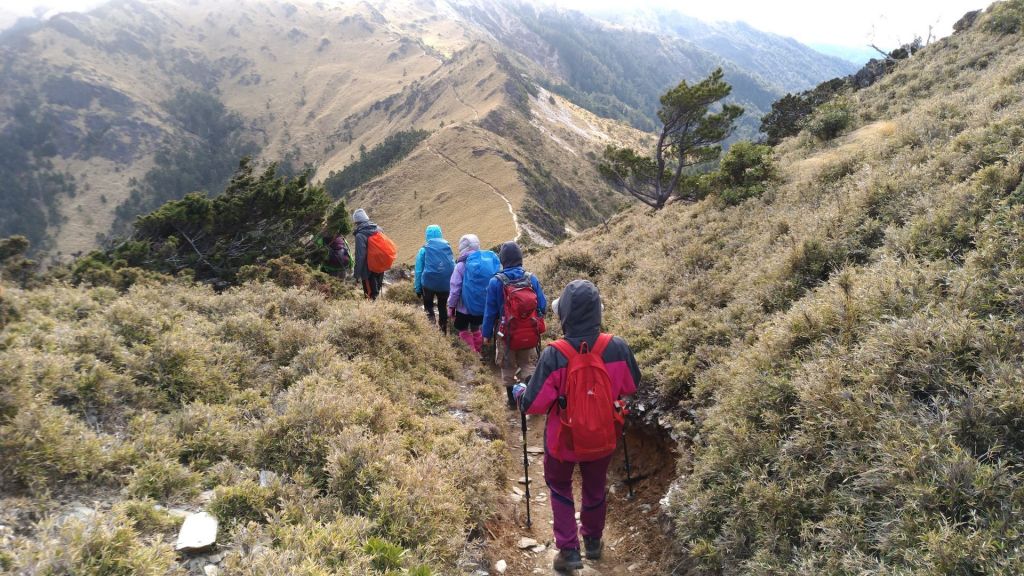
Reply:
x=494, y=309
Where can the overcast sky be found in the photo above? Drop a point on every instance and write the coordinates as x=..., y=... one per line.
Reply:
x=843, y=22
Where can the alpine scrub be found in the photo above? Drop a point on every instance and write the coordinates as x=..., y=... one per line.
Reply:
x=839, y=356
x=155, y=394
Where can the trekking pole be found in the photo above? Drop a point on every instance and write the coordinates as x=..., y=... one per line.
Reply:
x=629, y=470
x=623, y=408
x=526, y=470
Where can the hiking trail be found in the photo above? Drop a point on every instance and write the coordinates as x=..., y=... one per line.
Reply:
x=634, y=539
x=511, y=210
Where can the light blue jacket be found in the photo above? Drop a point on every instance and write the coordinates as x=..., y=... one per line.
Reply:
x=433, y=231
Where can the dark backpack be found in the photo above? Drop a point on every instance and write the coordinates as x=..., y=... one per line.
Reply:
x=521, y=324
x=338, y=254
x=590, y=418
x=438, y=265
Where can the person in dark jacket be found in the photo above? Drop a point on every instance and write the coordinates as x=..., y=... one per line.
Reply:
x=372, y=281
x=510, y=361
x=579, y=311
x=439, y=291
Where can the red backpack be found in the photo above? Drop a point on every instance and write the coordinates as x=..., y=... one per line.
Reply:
x=521, y=325
x=590, y=417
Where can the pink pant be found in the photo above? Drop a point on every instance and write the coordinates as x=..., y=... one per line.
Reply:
x=558, y=476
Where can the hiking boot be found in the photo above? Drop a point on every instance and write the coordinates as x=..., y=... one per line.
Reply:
x=568, y=559
x=511, y=399
x=593, y=548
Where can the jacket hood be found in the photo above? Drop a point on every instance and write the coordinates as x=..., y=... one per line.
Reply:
x=579, y=309
x=510, y=255
x=468, y=244
x=433, y=231
x=359, y=216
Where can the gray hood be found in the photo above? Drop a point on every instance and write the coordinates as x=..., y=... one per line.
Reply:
x=579, y=309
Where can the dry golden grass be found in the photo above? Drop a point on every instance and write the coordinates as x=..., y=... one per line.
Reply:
x=127, y=400
x=840, y=359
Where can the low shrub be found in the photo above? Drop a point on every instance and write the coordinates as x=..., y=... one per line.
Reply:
x=106, y=544
x=163, y=479
x=830, y=119
x=238, y=505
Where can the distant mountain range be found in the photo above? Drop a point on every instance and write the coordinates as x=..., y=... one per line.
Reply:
x=107, y=114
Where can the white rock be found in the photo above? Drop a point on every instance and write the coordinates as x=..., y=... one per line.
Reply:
x=211, y=570
x=525, y=543
x=501, y=566
x=198, y=532
x=517, y=490
x=534, y=450
x=539, y=548
x=522, y=480
x=633, y=567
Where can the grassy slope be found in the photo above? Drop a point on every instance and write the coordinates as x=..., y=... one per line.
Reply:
x=841, y=359
x=130, y=400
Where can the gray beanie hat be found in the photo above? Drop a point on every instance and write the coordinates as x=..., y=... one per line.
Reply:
x=359, y=216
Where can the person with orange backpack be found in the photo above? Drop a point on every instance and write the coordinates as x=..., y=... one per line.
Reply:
x=375, y=254
x=580, y=383
x=514, y=317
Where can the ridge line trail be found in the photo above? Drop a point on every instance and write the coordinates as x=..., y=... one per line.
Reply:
x=454, y=164
x=476, y=115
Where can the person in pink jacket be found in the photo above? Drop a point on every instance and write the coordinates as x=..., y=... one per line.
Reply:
x=579, y=311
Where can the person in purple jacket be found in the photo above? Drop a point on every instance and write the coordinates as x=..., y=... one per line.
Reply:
x=466, y=323
x=579, y=311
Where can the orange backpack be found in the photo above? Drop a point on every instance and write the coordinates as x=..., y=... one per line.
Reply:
x=589, y=418
x=380, y=252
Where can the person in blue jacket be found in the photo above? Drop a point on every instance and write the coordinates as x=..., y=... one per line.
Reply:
x=510, y=361
x=434, y=266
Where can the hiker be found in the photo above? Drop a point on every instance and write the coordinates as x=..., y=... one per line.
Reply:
x=375, y=253
x=548, y=392
x=515, y=333
x=433, y=273
x=468, y=289
x=338, y=261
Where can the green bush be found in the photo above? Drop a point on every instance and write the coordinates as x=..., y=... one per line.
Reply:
x=160, y=478
x=744, y=172
x=830, y=119
x=44, y=446
x=106, y=545
x=1005, y=17
x=147, y=518
x=238, y=505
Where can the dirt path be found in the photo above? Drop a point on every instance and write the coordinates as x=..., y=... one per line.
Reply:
x=634, y=539
x=511, y=210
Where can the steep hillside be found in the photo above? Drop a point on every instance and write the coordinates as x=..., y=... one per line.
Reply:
x=840, y=359
x=115, y=111
x=778, y=61
x=342, y=437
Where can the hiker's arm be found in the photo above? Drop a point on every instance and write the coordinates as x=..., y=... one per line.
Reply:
x=455, y=285
x=492, y=308
x=417, y=283
x=630, y=385
x=361, y=270
x=542, y=390
x=542, y=301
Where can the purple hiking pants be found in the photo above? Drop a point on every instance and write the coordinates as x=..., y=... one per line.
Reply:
x=558, y=476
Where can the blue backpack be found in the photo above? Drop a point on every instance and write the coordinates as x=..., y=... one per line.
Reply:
x=438, y=265
x=481, y=266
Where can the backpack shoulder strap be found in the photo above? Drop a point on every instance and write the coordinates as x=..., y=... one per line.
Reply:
x=503, y=278
x=602, y=343
x=563, y=346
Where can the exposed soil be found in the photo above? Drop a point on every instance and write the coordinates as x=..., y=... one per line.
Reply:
x=635, y=540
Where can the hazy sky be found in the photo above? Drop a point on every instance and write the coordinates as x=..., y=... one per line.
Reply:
x=842, y=22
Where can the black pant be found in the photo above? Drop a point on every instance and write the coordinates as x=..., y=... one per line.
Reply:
x=373, y=284
x=467, y=322
x=442, y=307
